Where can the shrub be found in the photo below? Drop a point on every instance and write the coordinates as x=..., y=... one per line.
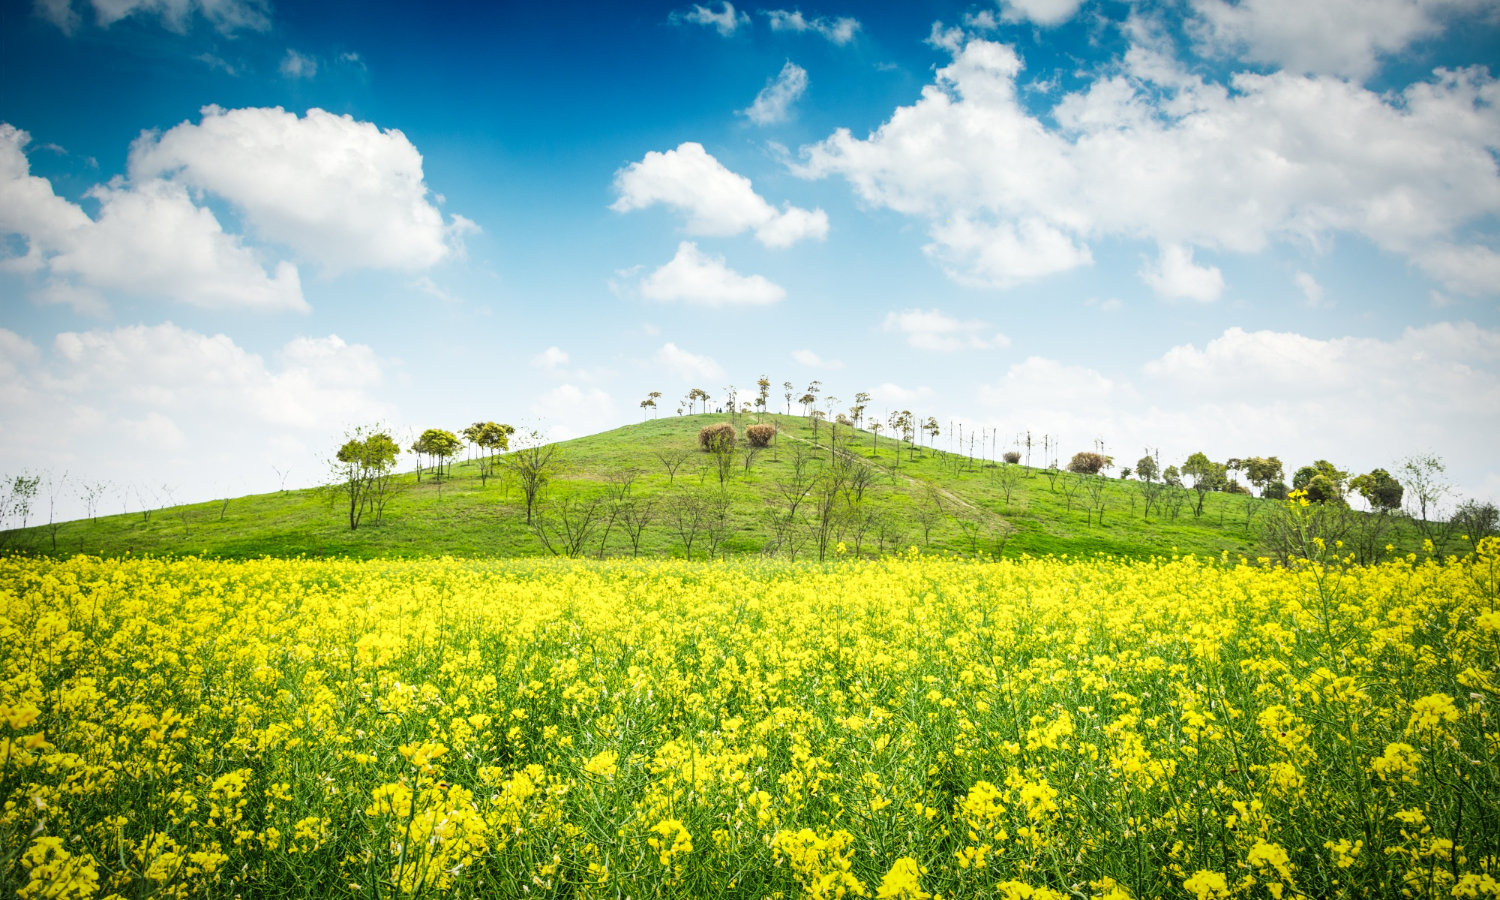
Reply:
x=760, y=435
x=1086, y=463
x=721, y=433
x=1012, y=456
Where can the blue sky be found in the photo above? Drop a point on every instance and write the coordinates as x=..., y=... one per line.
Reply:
x=230, y=229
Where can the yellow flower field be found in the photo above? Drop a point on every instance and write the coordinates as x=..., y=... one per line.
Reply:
x=907, y=728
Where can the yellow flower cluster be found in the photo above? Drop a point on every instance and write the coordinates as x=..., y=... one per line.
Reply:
x=914, y=728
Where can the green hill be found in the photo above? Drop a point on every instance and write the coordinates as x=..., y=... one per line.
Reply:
x=932, y=499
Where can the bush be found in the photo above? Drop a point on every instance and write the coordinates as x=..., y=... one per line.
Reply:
x=1086, y=463
x=722, y=434
x=1012, y=456
x=760, y=435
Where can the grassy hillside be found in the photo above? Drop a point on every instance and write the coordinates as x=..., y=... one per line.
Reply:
x=965, y=503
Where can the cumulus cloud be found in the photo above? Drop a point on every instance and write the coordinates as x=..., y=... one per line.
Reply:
x=774, y=102
x=814, y=361
x=296, y=65
x=569, y=411
x=688, y=366
x=895, y=393
x=228, y=16
x=1311, y=290
x=726, y=21
x=1176, y=277
x=335, y=190
x=715, y=200
x=1039, y=12
x=693, y=276
x=161, y=402
x=1246, y=393
x=840, y=30
x=1153, y=152
x=1338, y=37
x=931, y=329
x=551, y=358
x=150, y=238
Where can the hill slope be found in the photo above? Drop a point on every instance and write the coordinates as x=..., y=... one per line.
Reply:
x=929, y=498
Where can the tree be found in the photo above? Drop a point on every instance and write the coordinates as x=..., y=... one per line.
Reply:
x=695, y=395
x=494, y=439
x=363, y=470
x=857, y=411
x=1262, y=471
x=673, y=459
x=635, y=516
x=1087, y=463
x=763, y=394
x=1426, y=482
x=535, y=464
x=1146, y=468
x=687, y=512
x=1207, y=476
x=1332, y=487
x=1172, y=476
x=928, y=512
x=789, y=390
x=564, y=527
x=1476, y=520
x=91, y=493
x=1379, y=489
x=1009, y=478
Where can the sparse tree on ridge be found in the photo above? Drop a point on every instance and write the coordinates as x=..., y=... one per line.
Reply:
x=1263, y=471
x=1207, y=476
x=789, y=390
x=535, y=464
x=763, y=394
x=1379, y=489
x=363, y=469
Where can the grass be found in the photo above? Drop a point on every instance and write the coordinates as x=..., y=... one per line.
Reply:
x=465, y=516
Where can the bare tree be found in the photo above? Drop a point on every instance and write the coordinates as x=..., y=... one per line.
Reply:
x=717, y=522
x=1098, y=494
x=1008, y=476
x=687, y=512
x=1071, y=484
x=17, y=494
x=565, y=526
x=281, y=477
x=92, y=493
x=975, y=527
x=891, y=528
x=535, y=464
x=928, y=512
x=635, y=516
x=749, y=454
x=673, y=458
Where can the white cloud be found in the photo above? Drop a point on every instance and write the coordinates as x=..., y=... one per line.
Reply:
x=1040, y=12
x=688, y=366
x=84, y=301
x=715, y=200
x=153, y=403
x=228, y=16
x=696, y=277
x=337, y=191
x=726, y=21
x=774, y=102
x=570, y=411
x=931, y=329
x=1153, y=152
x=551, y=358
x=1253, y=393
x=149, y=239
x=814, y=361
x=296, y=65
x=1310, y=288
x=894, y=393
x=1176, y=277
x=840, y=30
x=1339, y=37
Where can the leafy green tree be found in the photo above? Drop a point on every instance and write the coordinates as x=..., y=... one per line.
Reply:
x=1262, y=471
x=1146, y=469
x=1172, y=476
x=441, y=445
x=493, y=438
x=363, y=470
x=1332, y=486
x=1379, y=489
x=1207, y=476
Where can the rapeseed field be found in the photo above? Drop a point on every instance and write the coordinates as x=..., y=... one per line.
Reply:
x=906, y=728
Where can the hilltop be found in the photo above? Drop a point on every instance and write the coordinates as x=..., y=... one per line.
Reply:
x=933, y=499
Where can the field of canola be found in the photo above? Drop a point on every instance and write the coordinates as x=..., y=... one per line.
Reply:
x=913, y=727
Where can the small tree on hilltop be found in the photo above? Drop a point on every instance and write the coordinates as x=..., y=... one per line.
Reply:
x=442, y=445
x=363, y=471
x=1263, y=471
x=1207, y=476
x=493, y=438
x=1379, y=489
x=1087, y=463
x=763, y=394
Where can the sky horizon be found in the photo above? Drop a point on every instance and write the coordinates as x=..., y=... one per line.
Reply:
x=232, y=229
